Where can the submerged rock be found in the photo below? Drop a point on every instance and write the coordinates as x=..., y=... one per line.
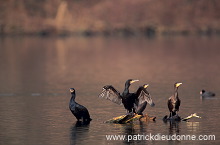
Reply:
x=173, y=118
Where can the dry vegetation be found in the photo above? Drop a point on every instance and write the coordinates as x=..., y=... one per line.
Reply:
x=109, y=17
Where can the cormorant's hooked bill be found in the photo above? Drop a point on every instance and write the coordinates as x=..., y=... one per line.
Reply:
x=72, y=90
x=145, y=85
x=177, y=84
x=133, y=81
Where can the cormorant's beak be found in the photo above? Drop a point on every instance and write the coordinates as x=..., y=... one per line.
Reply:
x=178, y=84
x=134, y=81
x=146, y=85
x=71, y=90
x=200, y=92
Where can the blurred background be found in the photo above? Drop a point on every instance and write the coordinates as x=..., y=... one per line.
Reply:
x=147, y=17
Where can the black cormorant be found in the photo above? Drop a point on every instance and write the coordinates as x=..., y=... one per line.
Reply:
x=206, y=94
x=174, y=101
x=79, y=111
x=127, y=98
x=143, y=97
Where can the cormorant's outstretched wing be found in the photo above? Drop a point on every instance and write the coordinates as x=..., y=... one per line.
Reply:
x=110, y=93
x=143, y=96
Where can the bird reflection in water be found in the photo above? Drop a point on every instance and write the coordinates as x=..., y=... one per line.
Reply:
x=134, y=129
x=125, y=129
x=129, y=129
x=173, y=127
x=79, y=132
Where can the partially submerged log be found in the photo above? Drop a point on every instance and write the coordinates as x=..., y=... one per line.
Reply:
x=130, y=118
x=123, y=119
x=115, y=119
x=147, y=118
x=191, y=116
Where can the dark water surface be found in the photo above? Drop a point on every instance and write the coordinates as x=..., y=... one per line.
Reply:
x=35, y=74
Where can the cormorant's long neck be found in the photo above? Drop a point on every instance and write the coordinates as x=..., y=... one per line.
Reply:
x=176, y=92
x=139, y=90
x=126, y=90
x=73, y=97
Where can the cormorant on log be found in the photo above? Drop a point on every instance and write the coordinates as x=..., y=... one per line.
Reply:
x=127, y=98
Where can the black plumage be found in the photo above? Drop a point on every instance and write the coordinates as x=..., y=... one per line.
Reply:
x=206, y=94
x=79, y=111
x=174, y=101
x=142, y=98
x=126, y=98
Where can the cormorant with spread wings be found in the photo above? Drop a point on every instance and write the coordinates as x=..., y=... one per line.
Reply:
x=127, y=98
x=133, y=102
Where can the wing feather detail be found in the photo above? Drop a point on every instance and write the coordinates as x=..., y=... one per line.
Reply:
x=142, y=95
x=110, y=93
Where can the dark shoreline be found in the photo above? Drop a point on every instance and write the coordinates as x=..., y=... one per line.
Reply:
x=109, y=18
x=117, y=32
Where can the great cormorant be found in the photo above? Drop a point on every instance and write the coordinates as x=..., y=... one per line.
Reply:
x=79, y=111
x=143, y=97
x=206, y=94
x=127, y=98
x=174, y=101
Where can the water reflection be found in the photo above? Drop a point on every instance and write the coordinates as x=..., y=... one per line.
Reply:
x=128, y=130
x=143, y=126
x=137, y=131
x=174, y=127
x=36, y=72
x=193, y=126
x=79, y=133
